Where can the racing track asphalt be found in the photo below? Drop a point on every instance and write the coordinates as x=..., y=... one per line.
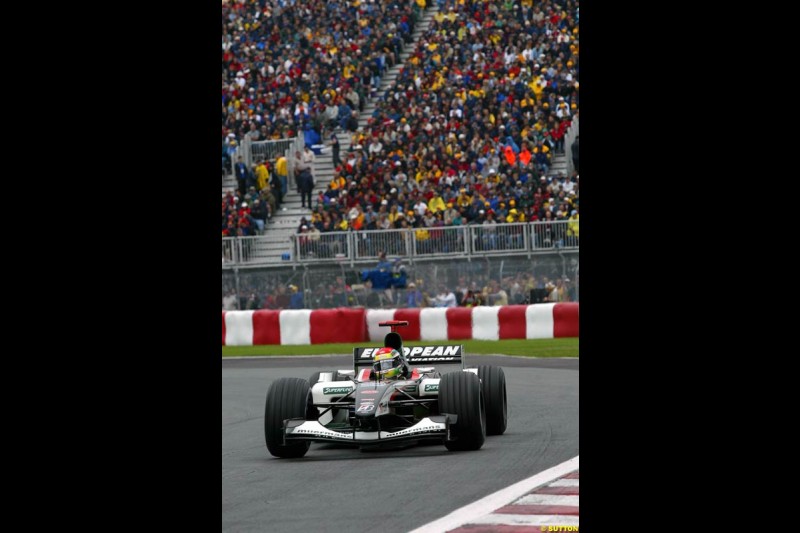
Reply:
x=336, y=488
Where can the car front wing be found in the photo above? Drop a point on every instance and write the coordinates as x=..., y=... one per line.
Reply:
x=310, y=430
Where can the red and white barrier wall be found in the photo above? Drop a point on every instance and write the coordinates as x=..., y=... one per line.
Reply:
x=320, y=326
x=296, y=326
x=540, y=321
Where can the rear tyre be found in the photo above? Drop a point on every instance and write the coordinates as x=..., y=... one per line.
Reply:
x=493, y=383
x=460, y=394
x=286, y=398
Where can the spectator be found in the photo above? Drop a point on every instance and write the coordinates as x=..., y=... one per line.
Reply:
x=253, y=302
x=573, y=228
x=469, y=299
x=300, y=166
x=572, y=291
x=313, y=239
x=373, y=301
x=260, y=213
x=436, y=204
x=304, y=241
x=308, y=159
x=445, y=298
x=477, y=294
x=489, y=232
x=305, y=183
x=296, y=300
x=276, y=188
x=494, y=294
x=229, y=301
x=558, y=292
x=262, y=175
x=282, y=171
x=413, y=296
x=335, y=150
x=241, y=175
x=282, y=299
x=550, y=291
x=229, y=147
x=270, y=198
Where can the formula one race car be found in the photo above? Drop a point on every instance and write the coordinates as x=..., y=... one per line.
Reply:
x=388, y=399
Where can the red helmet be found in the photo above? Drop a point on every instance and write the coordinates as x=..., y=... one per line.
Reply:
x=389, y=363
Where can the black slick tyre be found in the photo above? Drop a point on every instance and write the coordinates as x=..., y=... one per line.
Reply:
x=460, y=394
x=493, y=383
x=286, y=398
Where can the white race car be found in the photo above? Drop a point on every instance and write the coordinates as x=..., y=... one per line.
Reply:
x=364, y=408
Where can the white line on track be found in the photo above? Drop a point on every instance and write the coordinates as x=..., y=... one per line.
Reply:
x=472, y=512
x=548, y=499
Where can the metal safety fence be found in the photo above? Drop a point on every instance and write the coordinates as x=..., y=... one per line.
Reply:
x=471, y=240
x=487, y=280
x=333, y=245
x=255, y=151
x=522, y=238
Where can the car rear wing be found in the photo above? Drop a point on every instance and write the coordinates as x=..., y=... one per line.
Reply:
x=440, y=354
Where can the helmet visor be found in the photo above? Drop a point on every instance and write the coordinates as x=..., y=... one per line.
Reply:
x=386, y=364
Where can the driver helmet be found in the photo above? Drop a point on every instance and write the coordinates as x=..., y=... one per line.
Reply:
x=389, y=363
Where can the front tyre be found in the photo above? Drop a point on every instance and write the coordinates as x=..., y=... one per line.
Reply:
x=460, y=394
x=286, y=398
x=493, y=383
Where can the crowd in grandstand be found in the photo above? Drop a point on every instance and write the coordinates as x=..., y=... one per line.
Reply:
x=467, y=132
x=287, y=64
x=465, y=135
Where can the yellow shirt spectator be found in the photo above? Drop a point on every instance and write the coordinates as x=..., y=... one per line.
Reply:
x=281, y=166
x=537, y=86
x=262, y=176
x=436, y=204
x=573, y=225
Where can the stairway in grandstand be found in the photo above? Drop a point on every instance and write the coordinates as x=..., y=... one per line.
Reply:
x=286, y=221
x=559, y=165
